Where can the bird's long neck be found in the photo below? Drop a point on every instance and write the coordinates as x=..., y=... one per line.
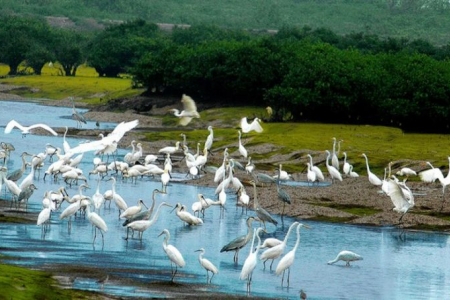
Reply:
x=253, y=240
x=158, y=210
x=297, y=242
x=367, y=164
x=259, y=241
x=255, y=195
x=288, y=233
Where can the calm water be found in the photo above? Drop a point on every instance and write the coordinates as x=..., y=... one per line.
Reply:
x=417, y=268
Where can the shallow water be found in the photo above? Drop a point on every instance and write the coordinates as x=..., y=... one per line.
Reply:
x=414, y=268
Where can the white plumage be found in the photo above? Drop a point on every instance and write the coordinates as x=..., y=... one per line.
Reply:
x=346, y=256
x=253, y=126
x=26, y=129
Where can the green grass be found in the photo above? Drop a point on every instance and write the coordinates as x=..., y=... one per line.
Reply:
x=86, y=85
x=20, y=283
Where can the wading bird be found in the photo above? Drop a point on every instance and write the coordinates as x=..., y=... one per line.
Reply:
x=172, y=253
x=346, y=256
x=251, y=260
x=143, y=225
x=262, y=214
x=287, y=260
x=207, y=265
x=240, y=242
x=276, y=251
x=373, y=179
x=334, y=173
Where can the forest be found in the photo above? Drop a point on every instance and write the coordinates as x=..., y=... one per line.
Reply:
x=303, y=73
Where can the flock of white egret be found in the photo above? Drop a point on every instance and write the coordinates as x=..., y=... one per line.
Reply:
x=64, y=161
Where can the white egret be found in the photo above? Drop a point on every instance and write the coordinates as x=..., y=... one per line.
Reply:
x=352, y=173
x=209, y=139
x=251, y=260
x=113, y=195
x=334, y=173
x=69, y=211
x=310, y=174
x=270, y=242
x=241, y=147
x=250, y=166
x=346, y=256
x=165, y=178
x=253, y=126
x=401, y=196
x=283, y=196
x=207, y=265
x=27, y=129
x=97, y=222
x=334, y=156
x=319, y=174
x=288, y=259
x=276, y=251
x=189, y=111
x=406, y=172
x=172, y=253
x=170, y=149
x=373, y=179
x=243, y=198
x=346, y=166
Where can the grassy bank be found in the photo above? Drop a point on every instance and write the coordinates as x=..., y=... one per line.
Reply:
x=21, y=283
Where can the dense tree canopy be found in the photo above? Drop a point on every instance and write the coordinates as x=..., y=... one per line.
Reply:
x=302, y=73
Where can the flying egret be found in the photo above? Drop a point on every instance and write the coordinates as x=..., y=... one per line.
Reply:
x=346, y=256
x=401, y=196
x=334, y=173
x=253, y=126
x=276, y=251
x=207, y=265
x=288, y=259
x=189, y=111
x=240, y=242
x=251, y=260
x=27, y=129
x=373, y=179
x=173, y=253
